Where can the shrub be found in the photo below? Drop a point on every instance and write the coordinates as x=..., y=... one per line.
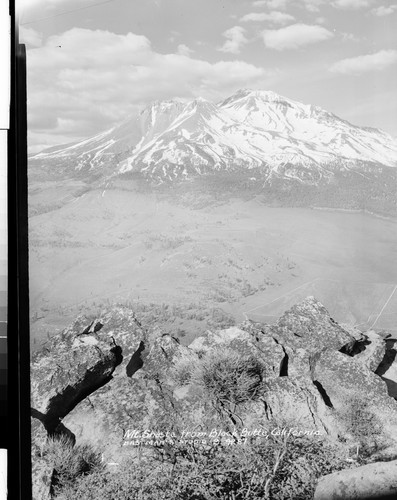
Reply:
x=364, y=426
x=229, y=377
x=129, y=482
x=276, y=469
x=182, y=371
x=69, y=461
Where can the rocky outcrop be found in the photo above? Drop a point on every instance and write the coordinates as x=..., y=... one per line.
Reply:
x=354, y=391
x=141, y=391
x=372, y=481
x=246, y=341
x=310, y=373
x=374, y=349
x=309, y=326
x=70, y=368
x=316, y=372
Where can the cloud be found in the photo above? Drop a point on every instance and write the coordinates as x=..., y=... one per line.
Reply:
x=295, y=36
x=235, y=40
x=30, y=37
x=363, y=64
x=273, y=17
x=312, y=5
x=98, y=78
x=351, y=4
x=349, y=37
x=271, y=4
x=384, y=10
x=184, y=50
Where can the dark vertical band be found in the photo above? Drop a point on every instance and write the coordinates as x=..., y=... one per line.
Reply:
x=19, y=461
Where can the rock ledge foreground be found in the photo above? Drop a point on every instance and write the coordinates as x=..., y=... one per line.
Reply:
x=99, y=378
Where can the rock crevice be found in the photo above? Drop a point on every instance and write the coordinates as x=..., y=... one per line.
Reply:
x=323, y=393
x=77, y=367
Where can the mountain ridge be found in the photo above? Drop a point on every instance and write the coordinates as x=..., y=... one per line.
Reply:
x=256, y=142
x=252, y=128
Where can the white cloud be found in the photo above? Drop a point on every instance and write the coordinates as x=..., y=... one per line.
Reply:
x=349, y=37
x=98, y=78
x=235, y=40
x=295, y=36
x=184, y=50
x=273, y=17
x=384, y=10
x=271, y=4
x=30, y=37
x=362, y=64
x=351, y=4
x=312, y=5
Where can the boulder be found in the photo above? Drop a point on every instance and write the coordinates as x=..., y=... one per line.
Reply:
x=350, y=389
x=143, y=400
x=67, y=370
x=372, y=481
x=305, y=378
x=297, y=404
x=247, y=342
x=373, y=352
x=309, y=326
x=353, y=331
x=164, y=352
x=309, y=375
x=211, y=340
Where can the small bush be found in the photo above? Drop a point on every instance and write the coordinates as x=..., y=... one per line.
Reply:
x=182, y=371
x=273, y=469
x=229, y=377
x=68, y=461
x=364, y=427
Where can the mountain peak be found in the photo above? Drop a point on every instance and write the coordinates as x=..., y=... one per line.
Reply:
x=263, y=95
x=252, y=129
x=200, y=100
x=161, y=106
x=201, y=105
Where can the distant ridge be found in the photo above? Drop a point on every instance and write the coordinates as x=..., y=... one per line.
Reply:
x=250, y=129
x=254, y=139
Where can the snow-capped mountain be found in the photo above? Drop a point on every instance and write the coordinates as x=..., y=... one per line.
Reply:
x=251, y=131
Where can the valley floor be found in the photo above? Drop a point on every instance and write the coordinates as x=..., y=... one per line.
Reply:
x=203, y=267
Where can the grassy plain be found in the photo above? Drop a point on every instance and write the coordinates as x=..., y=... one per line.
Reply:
x=202, y=264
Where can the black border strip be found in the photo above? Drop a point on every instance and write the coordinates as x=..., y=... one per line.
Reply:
x=19, y=435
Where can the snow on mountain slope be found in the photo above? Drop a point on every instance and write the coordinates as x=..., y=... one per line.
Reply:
x=91, y=154
x=249, y=130
x=317, y=130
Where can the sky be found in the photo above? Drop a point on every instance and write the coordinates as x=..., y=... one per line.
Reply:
x=93, y=63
